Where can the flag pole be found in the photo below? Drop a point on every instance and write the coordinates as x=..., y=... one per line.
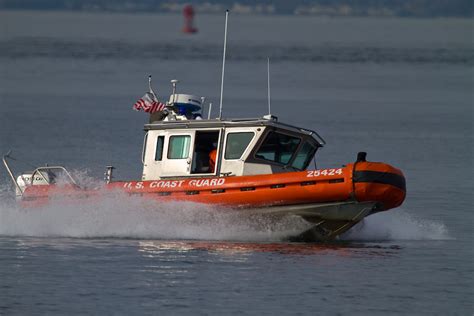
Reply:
x=150, y=88
x=223, y=63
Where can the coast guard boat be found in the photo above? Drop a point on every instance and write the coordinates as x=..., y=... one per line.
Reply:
x=255, y=166
x=258, y=166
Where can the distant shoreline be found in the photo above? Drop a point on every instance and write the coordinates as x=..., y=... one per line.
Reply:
x=320, y=8
x=157, y=12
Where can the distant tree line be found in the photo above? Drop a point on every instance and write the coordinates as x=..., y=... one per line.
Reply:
x=418, y=8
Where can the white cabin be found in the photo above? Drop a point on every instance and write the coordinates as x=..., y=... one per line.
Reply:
x=182, y=148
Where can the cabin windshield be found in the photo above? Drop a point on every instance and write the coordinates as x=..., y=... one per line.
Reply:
x=286, y=150
x=278, y=148
x=304, y=156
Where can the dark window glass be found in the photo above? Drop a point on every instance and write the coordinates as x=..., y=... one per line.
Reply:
x=145, y=141
x=159, y=148
x=303, y=157
x=278, y=148
x=236, y=144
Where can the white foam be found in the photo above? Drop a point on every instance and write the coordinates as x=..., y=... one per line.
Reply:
x=122, y=216
x=133, y=217
x=397, y=224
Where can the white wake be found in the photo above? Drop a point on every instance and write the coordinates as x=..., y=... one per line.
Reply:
x=133, y=217
x=122, y=216
x=397, y=224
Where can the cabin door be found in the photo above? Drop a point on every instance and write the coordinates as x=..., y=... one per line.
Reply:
x=205, y=152
x=177, y=156
x=191, y=153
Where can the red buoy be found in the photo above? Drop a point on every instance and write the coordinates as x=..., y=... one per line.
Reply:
x=188, y=13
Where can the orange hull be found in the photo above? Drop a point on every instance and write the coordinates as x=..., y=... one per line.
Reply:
x=361, y=181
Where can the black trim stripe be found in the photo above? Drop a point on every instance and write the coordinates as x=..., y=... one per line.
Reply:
x=247, y=189
x=163, y=193
x=192, y=192
x=380, y=177
x=218, y=191
x=277, y=186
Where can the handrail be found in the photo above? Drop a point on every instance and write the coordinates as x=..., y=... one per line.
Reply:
x=7, y=155
x=39, y=169
x=318, y=138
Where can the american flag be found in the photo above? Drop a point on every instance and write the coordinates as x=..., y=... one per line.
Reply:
x=149, y=104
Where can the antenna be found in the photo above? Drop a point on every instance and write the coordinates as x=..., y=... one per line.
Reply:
x=209, y=113
x=269, y=116
x=223, y=63
x=268, y=86
x=202, y=105
x=174, y=82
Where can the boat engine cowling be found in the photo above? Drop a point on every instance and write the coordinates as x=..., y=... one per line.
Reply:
x=25, y=180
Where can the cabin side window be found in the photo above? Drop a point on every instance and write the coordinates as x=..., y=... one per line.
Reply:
x=178, y=147
x=278, y=148
x=160, y=141
x=236, y=144
x=304, y=156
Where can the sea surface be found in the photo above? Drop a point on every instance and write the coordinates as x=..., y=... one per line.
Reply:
x=399, y=89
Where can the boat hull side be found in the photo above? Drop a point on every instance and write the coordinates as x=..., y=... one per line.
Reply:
x=363, y=182
x=328, y=220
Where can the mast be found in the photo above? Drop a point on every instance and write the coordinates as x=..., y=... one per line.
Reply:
x=268, y=86
x=223, y=63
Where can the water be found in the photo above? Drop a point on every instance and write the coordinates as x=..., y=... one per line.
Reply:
x=400, y=89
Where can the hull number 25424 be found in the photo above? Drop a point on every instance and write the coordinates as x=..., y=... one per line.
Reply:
x=324, y=172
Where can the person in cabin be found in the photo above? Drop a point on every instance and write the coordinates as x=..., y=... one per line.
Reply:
x=212, y=158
